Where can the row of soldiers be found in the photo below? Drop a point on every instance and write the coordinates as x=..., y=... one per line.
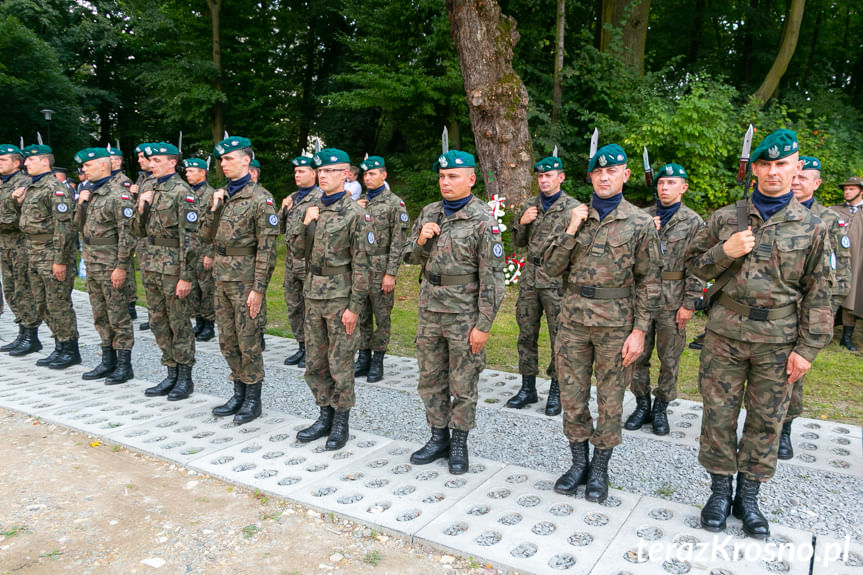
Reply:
x=612, y=280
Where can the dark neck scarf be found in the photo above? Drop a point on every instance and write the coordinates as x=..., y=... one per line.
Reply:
x=372, y=194
x=197, y=187
x=548, y=201
x=5, y=179
x=235, y=186
x=767, y=206
x=35, y=179
x=665, y=213
x=147, y=174
x=605, y=206
x=452, y=206
x=96, y=184
x=330, y=200
x=303, y=192
x=115, y=172
x=808, y=203
x=164, y=179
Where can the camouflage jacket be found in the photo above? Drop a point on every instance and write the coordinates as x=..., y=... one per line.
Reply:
x=840, y=256
x=292, y=224
x=343, y=240
x=120, y=179
x=170, y=225
x=105, y=224
x=48, y=209
x=9, y=231
x=789, y=264
x=674, y=238
x=247, y=222
x=469, y=243
x=205, y=200
x=621, y=251
x=537, y=236
x=390, y=222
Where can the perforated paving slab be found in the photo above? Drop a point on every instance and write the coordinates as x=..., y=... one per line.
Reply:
x=837, y=557
x=662, y=537
x=827, y=446
x=516, y=521
x=277, y=463
x=45, y=395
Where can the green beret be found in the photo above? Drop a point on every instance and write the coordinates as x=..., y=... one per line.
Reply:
x=329, y=156
x=810, y=163
x=373, y=163
x=88, y=154
x=9, y=149
x=548, y=164
x=454, y=159
x=114, y=151
x=301, y=161
x=228, y=145
x=160, y=149
x=37, y=150
x=139, y=149
x=255, y=164
x=195, y=163
x=610, y=155
x=776, y=146
x=671, y=170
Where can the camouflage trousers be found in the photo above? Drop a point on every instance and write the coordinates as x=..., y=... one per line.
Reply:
x=130, y=288
x=203, y=294
x=110, y=312
x=16, y=283
x=53, y=298
x=296, y=303
x=733, y=372
x=448, y=369
x=375, y=335
x=529, y=307
x=669, y=341
x=582, y=350
x=329, y=353
x=169, y=319
x=795, y=404
x=239, y=334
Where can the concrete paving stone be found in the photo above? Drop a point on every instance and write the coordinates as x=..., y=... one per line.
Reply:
x=837, y=557
x=277, y=463
x=36, y=397
x=516, y=521
x=827, y=445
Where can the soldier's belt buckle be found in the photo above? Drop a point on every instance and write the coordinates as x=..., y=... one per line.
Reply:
x=588, y=291
x=758, y=313
x=220, y=250
x=434, y=279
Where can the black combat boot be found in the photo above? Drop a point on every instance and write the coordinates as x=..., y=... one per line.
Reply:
x=698, y=342
x=164, y=386
x=298, y=356
x=69, y=355
x=185, y=386
x=144, y=326
x=526, y=395
x=847, y=332
x=30, y=343
x=234, y=404
x=458, y=459
x=641, y=415
x=207, y=332
x=123, y=372
x=364, y=360
x=577, y=474
x=320, y=427
x=339, y=431
x=660, y=417
x=552, y=405
x=434, y=449
x=263, y=342
x=597, y=478
x=199, y=323
x=50, y=357
x=786, y=449
x=376, y=367
x=718, y=506
x=745, y=508
x=109, y=362
x=14, y=343
x=133, y=311
x=251, y=408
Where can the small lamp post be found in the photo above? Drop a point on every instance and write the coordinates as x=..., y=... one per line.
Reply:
x=47, y=113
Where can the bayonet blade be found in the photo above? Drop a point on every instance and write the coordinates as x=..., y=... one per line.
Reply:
x=648, y=171
x=594, y=143
x=208, y=162
x=118, y=144
x=21, y=142
x=743, y=165
x=226, y=135
x=180, y=143
x=554, y=152
x=317, y=144
x=366, y=157
x=444, y=140
x=38, y=138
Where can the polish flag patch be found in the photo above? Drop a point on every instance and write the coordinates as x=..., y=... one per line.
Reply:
x=269, y=202
x=59, y=193
x=190, y=199
x=368, y=217
x=402, y=203
x=495, y=230
x=124, y=196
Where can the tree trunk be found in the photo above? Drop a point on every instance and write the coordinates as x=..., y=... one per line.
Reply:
x=217, y=123
x=786, y=51
x=557, y=93
x=697, y=31
x=496, y=96
x=632, y=17
x=813, y=47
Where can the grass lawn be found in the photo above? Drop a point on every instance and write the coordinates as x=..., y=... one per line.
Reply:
x=834, y=385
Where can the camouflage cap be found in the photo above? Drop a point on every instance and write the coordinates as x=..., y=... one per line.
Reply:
x=330, y=156
x=160, y=149
x=852, y=181
x=454, y=159
x=255, y=163
x=301, y=161
x=671, y=170
x=114, y=151
x=6, y=149
x=228, y=145
x=548, y=164
x=610, y=155
x=37, y=150
x=87, y=154
x=778, y=145
x=195, y=163
x=810, y=163
x=373, y=163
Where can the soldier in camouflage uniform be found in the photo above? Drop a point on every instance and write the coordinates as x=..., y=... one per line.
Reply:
x=676, y=225
x=457, y=242
x=103, y=217
x=292, y=212
x=167, y=219
x=336, y=239
x=390, y=223
x=544, y=217
x=771, y=316
x=204, y=285
x=119, y=178
x=144, y=181
x=13, y=246
x=610, y=266
x=804, y=185
x=46, y=220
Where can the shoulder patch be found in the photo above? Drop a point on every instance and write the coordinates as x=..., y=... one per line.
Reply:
x=125, y=197
x=368, y=217
x=191, y=217
x=127, y=184
x=371, y=238
x=269, y=202
x=404, y=217
x=841, y=223
x=127, y=212
x=497, y=250
x=495, y=229
x=190, y=199
x=59, y=193
x=273, y=219
x=846, y=242
x=62, y=208
x=401, y=203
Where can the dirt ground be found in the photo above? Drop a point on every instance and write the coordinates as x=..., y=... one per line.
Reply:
x=69, y=504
